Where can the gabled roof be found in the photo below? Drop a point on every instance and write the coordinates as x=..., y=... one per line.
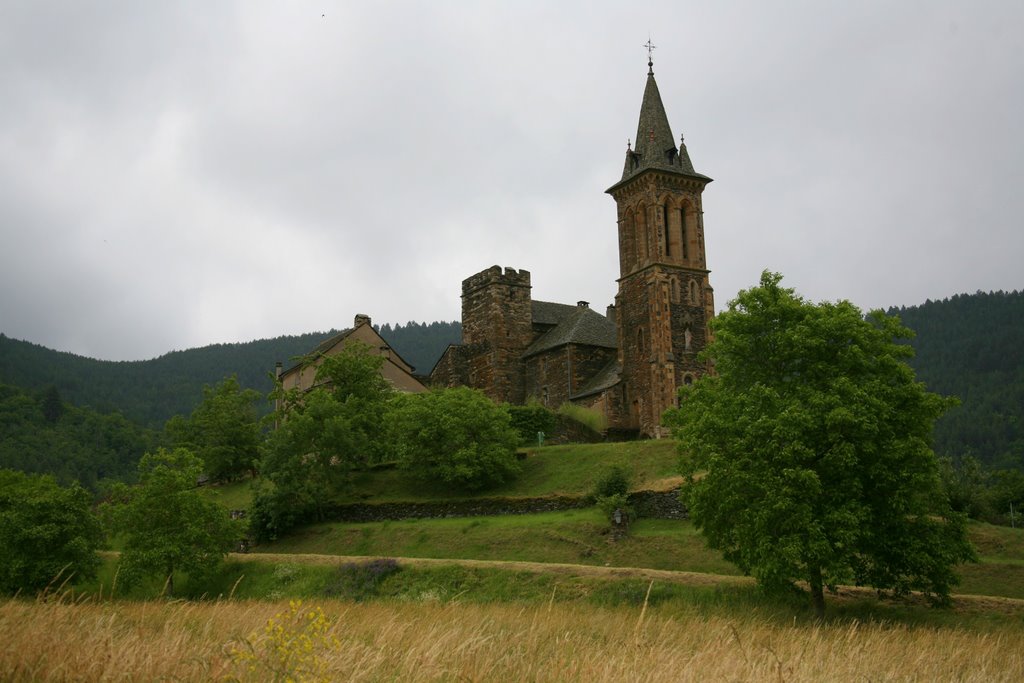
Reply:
x=609, y=376
x=582, y=326
x=321, y=348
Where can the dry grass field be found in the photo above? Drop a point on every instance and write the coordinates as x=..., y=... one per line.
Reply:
x=427, y=641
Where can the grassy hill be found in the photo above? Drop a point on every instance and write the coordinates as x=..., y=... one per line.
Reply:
x=578, y=536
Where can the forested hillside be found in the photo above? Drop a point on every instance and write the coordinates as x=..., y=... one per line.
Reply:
x=40, y=433
x=151, y=392
x=421, y=344
x=972, y=346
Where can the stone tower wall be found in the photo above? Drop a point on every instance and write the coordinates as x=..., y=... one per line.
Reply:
x=497, y=324
x=665, y=300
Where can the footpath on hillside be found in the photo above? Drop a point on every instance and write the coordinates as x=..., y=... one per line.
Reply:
x=961, y=603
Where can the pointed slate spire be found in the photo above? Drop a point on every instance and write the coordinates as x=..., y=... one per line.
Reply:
x=655, y=146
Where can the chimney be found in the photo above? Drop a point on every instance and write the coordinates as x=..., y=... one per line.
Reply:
x=362, y=319
x=277, y=369
x=610, y=313
x=583, y=304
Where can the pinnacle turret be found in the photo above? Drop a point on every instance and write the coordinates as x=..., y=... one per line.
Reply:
x=654, y=146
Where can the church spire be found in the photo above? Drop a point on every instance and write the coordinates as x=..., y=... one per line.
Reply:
x=654, y=146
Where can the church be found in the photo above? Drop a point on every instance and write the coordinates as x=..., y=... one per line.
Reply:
x=628, y=362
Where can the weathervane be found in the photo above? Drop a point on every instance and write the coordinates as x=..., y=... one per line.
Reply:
x=650, y=50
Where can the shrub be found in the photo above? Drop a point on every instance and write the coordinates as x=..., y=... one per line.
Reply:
x=615, y=481
x=530, y=419
x=47, y=532
x=360, y=581
x=291, y=647
x=455, y=436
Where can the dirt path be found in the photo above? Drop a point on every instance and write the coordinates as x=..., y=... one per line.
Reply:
x=961, y=603
x=688, y=578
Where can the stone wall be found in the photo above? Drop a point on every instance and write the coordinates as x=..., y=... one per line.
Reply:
x=651, y=504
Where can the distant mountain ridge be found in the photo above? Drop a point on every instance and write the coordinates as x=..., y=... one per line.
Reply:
x=970, y=346
x=150, y=392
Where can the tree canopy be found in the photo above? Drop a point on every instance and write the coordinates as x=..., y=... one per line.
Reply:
x=167, y=523
x=223, y=430
x=321, y=435
x=48, y=533
x=457, y=437
x=808, y=453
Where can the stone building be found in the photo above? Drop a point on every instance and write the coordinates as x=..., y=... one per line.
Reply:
x=630, y=362
x=394, y=369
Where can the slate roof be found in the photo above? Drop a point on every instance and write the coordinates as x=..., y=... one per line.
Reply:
x=548, y=313
x=608, y=377
x=582, y=326
x=320, y=349
x=654, y=146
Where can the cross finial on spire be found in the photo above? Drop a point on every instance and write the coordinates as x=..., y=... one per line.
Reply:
x=650, y=54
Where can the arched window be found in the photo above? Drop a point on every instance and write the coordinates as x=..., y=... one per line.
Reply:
x=687, y=379
x=641, y=235
x=640, y=346
x=664, y=221
x=683, y=232
x=692, y=295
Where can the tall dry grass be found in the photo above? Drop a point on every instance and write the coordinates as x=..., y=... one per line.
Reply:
x=433, y=642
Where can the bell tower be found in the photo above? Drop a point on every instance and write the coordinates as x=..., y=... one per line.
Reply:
x=665, y=298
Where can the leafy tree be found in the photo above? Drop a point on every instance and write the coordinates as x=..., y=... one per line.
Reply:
x=321, y=435
x=167, y=523
x=454, y=436
x=531, y=419
x=808, y=453
x=47, y=532
x=223, y=430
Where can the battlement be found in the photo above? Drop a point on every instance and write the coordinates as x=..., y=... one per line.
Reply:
x=509, y=277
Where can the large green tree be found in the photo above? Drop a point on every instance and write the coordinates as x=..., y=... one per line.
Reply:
x=168, y=525
x=223, y=430
x=457, y=437
x=808, y=452
x=48, y=533
x=321, y=435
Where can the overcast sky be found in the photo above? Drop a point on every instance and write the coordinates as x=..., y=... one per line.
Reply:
x=176, y=174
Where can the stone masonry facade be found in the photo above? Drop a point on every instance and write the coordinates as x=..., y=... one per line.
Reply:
x=630, y=363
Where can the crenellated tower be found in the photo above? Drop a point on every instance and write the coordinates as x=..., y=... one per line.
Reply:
x=665, y=300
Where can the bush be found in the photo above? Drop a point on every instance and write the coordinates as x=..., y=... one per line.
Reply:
x=615, y=481
x=529, y=419
x=48, y=533
x=455, y=436
x=360, y=581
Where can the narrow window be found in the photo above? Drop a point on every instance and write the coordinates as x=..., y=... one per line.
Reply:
x=664, y=220
x=682, y=230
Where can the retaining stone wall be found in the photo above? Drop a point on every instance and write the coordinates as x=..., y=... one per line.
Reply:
x=662, y=505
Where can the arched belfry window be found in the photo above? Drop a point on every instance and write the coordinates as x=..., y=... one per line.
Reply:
x=684, y=232
x=665, y=227
x=692, y=295
x=630, y=241
x=641, y=235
